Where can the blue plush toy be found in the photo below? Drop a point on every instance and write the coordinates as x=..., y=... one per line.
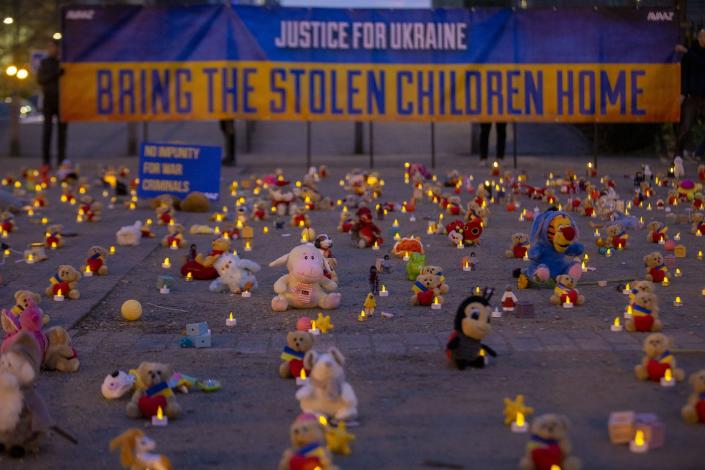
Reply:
x=553, y=239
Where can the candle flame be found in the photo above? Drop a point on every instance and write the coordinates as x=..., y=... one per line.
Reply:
x=616, y=322
x=520, y=420
x=302, y=374
x=668, y=375
x=160, y=413
x=639, y=437
x=58, y=294
x=231, y=314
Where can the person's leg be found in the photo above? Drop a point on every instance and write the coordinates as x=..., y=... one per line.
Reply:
x=688, y=116
x=62, y=129
x=227, y=127
x=46, y=136
x=501, y=128
x=485, y=129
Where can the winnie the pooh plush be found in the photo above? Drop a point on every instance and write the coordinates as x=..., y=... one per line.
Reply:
x=639, y=285
x=698, y=219
x=152, y=391
x=549, y=445
x=305, y=286
x=95, y=261
x=425, y=290
x=53, y=237
x=645, y=313
x=471, y=326
x=616, y=236
x=65, y=281
x=656, y=270
x=23, y=298
x=298, y=343
x=175, y=236
x=308, y=446
x=90, y=210
x=564, y=290
x=441, y=285
x=694, y=410
x=299, y=216
x=218, y=247
x=520, y=246
x=657, y=359
x=202, y=266
x=656, y=231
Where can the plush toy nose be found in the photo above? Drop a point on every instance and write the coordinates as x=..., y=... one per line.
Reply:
x=568, y=233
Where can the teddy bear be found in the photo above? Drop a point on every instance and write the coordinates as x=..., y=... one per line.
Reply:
x=281, y=198
x=471, y=326
x=441, y=285
x=65, y=281
x=656, y=270
x=657, y=359
x=477, y=209
x=90, y=210
x=520, y=246
x=327, y=392
x=698, y=219
x=645, y=313
x=454, y=206
x=308, y=446
x=656, y=231
x=24, y=420
x=259, y=211
x=218, y=247
x=235, y=274
x=95, y=261
x=549, y=445
x=130, y=235
x=23, y=299
x=588, y=207
x=53, y=237
x=299, y=217
x=564, y=290
x=298, y=343
x=640, y=285
x=364, y=232
x=694, y=410
x=174, y=236
x=164, y=214
x=195, y=201
x=425, y=290
x=616, y=236
x=7, y=222
x=153, y=391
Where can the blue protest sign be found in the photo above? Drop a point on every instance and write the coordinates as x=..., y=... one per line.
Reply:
x=179, y=169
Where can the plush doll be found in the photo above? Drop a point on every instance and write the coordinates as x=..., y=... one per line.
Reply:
x=645, y=313
x=467, y=233
x=24, y=418
x=327, y=392
x=346, y=222
x=298, y=343
x=7, y=222
x=165, y=214
x=259, y=211
x=65, y=281
x=588, y=207
x=201, y=267
x=147, y=232
x=364, y=232
x=54, y=343
x=23, y=299
x=639, y=285
x=549, y=445
x=235, y=274
x=136, y=451
x=117, y=384
x=454, y=206
x=694, y=410
x=617, y=236
x=130, y=235
x=698, y=219
x=520, y=246
x=195, y=202
x=471, y=326
x=554, y=245
x=564, y=290
x=437, y=271
x=413, y=267
x=53, y=237
x=305, y=286
x=657, y=359
x=281, y=197
x=425, y=290
x=656, y=231
x=325, y=245
x=153, y=391
x=477, y=209
x=656, y=270
x=89, y=209
x=95, y=261
x=308, y=446
x=407, y=246
x=175, y=236
x=299, y=217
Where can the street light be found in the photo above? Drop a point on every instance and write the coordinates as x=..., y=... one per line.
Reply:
x=11, y=70
x=8, y=20
x=56, y=36
x=22, y=74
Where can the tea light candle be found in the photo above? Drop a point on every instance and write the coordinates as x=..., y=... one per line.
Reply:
x=375, y=246
x=313, y=330
x=461, y=245
x=677, y=273
x=164, y=290
x=30, y=258
x=638, y=445
x=616, y=325
x=111, y=250
x=667, y=379
x=466, y=265
x=567, y=303
x=677, y=302
x=189, y=277
x=519, y=423
x=88, y=272
x=436, y=305
x=496, y=313
x=665, y=282
x=302, y=379
x=248, y=246
x=395, y=224
x=160, y=419
x=59, y=297
x=700, y=254
x=246, y=294
x=362, y=316
x=406, y=256
x=231, y=320
x=383, y=292
x=166, y=264
x=174, y=245
x=628, y=312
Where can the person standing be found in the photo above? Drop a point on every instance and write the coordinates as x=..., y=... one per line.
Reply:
x=692, y=89
x=48, y=77
x=227, y=127
x=485, y=128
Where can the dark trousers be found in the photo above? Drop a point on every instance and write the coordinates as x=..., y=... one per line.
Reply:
x=692, y=109
x=49, y=114
x=227, y=127
x=485, y=128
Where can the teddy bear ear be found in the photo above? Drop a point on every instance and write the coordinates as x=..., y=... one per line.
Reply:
x=310, y=359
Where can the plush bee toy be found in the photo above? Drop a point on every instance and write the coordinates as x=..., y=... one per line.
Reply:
x=472, y=324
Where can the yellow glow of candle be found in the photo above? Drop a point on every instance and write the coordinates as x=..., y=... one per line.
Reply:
x=189, y=276
x=174, y=244
x=58, y=294
x=235, y=252
x=700, y=254
x=53, y=246
x=265, y=229
x=395, y=223
x=88, y=269
x=639, y=437
x=616, y=322
x=668, y=375
x=166, y=262
x=160, y=413
x=435, y=301
x=30, y=257
x=383, y=289
x=248, y=246
x=678, y=300
x=520, y=420
x=45, y=221
x=111, y=250
x=665, y=282
x=231, y=316
x=7, y=252
x=216, y=230
x=397, y=237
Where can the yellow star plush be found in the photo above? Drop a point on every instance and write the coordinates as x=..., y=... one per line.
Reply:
x=512, y=407
x=323, y=323
x=338, y=439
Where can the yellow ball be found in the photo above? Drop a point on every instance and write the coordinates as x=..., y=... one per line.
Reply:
x=131, y=310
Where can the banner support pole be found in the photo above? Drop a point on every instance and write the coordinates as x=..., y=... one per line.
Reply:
x=433, y=145
x=514, y=143
x=145, y=131
x=372, y=144
x=594, y=144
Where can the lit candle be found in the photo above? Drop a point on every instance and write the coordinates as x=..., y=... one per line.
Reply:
x=567, y=303
x=45, y=221
x=597, y=233
x=395, y=223
x=59, y=297
x=616, y=325
x=436, y=305
x=397, y=237
x=627, y=289
x=111, y=250
x=246, y=294
x=88, y=272
x=466, y=265
x=496, y=313
x=235, y=252
x=166, y=264
x=677, y=273
x=667, y=379
x=519, y=423
x=406, y=256
x=30, y=258
x=638, y=445
x=6, y=253
x=628, y=312
x=608, y=253
x=248, y=246
x=383, y=292
x=189, y=277
x=159, y=419
x=375, y=246
x=665, y=282
x=677, y=302
x=460, y=245
x=362, y=316
x=216, y=230
x=265, y=230
x=313, y=330
x=700, y=254
x=174, y=245
x=231, y=320
x=648, y=207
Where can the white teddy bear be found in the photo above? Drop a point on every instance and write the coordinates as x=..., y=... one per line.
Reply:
x=235, y=274
x=129, y=235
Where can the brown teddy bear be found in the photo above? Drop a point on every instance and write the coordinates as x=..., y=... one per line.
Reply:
x=23, y=298
x=218, y=247
x=53, y=237
x=299, y=216
x=298, y=343
x=657, y=359
x=616, y=236
x=308, y=446
x=195, y=202
x=549, y=445
x=152, y=392
x=588, y=207
x=694, y=411
x=645, y=313
x=175, y=235
x=95, y=261
x=66, y=281
x=656, y=231
x=520, y=246
x=656, y=270
x=441, y=285
x=90, y=210
x=565, y=289
x=165, y=214
x=60, y=354
x=698, y=219
x=426, y=289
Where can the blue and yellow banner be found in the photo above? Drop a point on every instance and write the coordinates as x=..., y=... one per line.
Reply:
x=212, y=62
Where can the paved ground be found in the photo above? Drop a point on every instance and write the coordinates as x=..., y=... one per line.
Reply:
x=414, y=409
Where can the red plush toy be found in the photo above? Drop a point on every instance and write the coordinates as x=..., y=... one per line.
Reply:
x=364, y=230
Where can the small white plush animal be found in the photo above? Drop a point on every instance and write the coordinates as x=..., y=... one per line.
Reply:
x=235, y=274
x=117, y=384
x=129, y=235
x=678, y=170
x=326, y=391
